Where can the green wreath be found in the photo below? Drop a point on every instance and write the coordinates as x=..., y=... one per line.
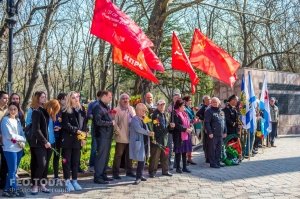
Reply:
x=229, y=154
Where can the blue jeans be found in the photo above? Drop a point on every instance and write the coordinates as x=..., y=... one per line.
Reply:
x=13, y=160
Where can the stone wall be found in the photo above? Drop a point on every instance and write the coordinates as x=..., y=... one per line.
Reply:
x=282, y=85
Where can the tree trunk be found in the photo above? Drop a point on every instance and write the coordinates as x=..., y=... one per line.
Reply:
x=155, y=34
x=41, y=42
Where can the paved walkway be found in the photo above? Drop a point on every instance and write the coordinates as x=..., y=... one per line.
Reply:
x=273, y=173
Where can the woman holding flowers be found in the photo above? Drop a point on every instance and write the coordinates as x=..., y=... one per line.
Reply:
x=137, y=130
x=74, y=128
x=13, y=143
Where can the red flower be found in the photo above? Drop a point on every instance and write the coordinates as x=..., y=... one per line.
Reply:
x=113, y=111
x=167, y=151
x=64, y=160
x=13, y=140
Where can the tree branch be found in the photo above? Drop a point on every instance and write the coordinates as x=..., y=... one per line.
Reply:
x=189, y=4
x=236, y=11
x=34, y=10
x=182, y=6
x=270, y=54
x=144, y=9
x=28, y=22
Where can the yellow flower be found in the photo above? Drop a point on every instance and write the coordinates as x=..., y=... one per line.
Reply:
x=259, y=134
x=81, y=136
x=155, y=122
x=147, y=120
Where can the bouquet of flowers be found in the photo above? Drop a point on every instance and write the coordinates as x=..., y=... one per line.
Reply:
x=134, y=100
x=112, y=112
x=164, y=148
x=149, y=122
x=81, y=135
x=147, y=119
x=20, y=143
x=64, y=160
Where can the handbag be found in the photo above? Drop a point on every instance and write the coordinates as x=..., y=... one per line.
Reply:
x=194, y=137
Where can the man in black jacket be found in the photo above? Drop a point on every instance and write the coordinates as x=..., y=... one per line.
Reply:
x=103, y=128
x=200, y=114
x=231, y=115
x=216, y=130
x=161, y=140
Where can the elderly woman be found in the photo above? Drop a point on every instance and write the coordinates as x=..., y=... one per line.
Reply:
x=137, y=131
x=193, y=120
x=181, y=136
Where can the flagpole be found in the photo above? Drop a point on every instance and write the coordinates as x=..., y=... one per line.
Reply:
x=113, y=78
x=172, y=115
x=249, y=145
x=185, y=74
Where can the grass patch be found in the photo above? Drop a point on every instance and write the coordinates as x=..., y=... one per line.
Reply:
x=84, y=160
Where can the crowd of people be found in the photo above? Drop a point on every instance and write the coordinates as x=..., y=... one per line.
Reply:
x=60, y=127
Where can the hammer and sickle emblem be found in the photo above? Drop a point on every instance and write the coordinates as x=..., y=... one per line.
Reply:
x=178, y=53
x=202, y=44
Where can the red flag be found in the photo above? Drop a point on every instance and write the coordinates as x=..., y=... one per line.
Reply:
x=181, y=62
x=212, y=60
x=136, y=64
x=152, y=60
x=112, y=25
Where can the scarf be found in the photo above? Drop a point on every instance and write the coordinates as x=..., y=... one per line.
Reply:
x=185, y=123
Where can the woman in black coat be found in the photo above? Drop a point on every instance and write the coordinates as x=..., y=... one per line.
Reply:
x=181, y=135
x=40, y=146
x=74, y=128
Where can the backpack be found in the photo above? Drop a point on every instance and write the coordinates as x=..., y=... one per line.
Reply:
x=28, y=132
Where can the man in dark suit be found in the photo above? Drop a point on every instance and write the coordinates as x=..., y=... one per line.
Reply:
x=206, y=102
x=103, y=128
x=160, y=141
